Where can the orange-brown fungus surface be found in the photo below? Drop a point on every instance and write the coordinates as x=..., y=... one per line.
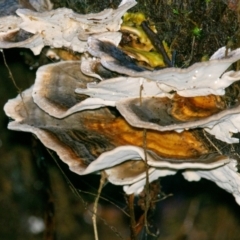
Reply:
x=194, y=108
x=166, y=144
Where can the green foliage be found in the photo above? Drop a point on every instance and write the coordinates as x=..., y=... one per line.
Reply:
x=197, y=32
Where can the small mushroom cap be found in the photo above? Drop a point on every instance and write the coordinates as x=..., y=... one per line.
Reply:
x=127, y=172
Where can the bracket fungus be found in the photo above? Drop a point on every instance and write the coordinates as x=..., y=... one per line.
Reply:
x=94, y=120
x=62, y=27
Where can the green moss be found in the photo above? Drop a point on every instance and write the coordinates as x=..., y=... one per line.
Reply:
x=177, y=22
x=197, y=32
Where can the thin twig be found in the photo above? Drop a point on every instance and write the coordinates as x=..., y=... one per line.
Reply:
x=107, y=200
x=147, y=197
x=157, y=43
x=210, y=141
x=187, y=62
x=140, y=94
x=147, y=188
x=13, y=80
x=10, y=73
x=76, y=192
x=94, y=216
x=132, y=217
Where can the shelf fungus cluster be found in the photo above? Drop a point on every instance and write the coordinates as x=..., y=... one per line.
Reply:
x=94, y=112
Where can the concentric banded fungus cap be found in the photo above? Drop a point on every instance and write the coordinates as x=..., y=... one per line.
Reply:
x=95, y=140
x=59, y=99
x=179, y=113
x=87, y=150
